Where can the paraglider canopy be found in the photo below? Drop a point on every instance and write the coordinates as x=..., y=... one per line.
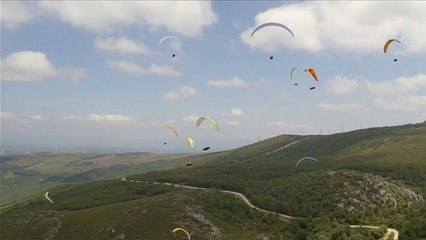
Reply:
x=312, y=72
x=268, y=24
x=209, y=119
x=46, y=195
x=206, y=148
x=171, y=128
x=293, y=72
x=306, y=158
x=388, y=43
x=190, y=142
x=312, y=88
x=164, y=38
x=182, y=230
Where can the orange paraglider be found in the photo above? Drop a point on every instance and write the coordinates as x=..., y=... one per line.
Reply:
x=312, y=72
x=171, y=128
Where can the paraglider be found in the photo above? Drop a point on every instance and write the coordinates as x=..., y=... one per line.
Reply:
x=395, y=60
x=306, y=158
x=293, y=72
x=182, y=230
x=206, y=148
x=46, y=195
x=312, y=88
x=165, y=143
x=171, y=128
x=211, y=121
x=271, y=24
x=271, y=57
x=312, y=72
x=388, y=43
x=190, y=142
x=164, y=38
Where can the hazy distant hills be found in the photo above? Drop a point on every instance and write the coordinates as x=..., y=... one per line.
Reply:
x=372, y=176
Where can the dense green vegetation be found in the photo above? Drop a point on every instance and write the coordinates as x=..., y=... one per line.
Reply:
x=114, y=209
x=369, y=177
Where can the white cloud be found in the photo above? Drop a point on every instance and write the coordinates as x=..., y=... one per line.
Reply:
x=162, y=70
x=341, y=85
x=26, y=66
x=404, y=103
x=190, y=119
x=180, y=93
x=355, y=26
x=74, y=74
x=234, y=82
x=398, y=86
x=185, y=18
x=126, y=66
x=235, y=112
x=281, y=125
x=134, y=68
x=233, y=123
x=122, y=45
x=14, y=13
x=36, y=117
x=69, y=118
x=4, y=116
x=108, y=118
x=340, y=107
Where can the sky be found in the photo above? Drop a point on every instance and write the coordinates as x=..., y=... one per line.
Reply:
x=91, y=73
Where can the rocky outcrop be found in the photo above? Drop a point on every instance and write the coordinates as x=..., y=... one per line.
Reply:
x=367, y=192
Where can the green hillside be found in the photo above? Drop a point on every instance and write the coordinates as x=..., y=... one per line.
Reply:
x=27, y=174
x=375, y=176
x=116, y=209
x=370, y=177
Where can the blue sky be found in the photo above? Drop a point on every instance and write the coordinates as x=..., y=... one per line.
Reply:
x=90, y=73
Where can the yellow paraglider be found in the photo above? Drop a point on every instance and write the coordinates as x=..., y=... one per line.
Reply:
x=46, y=195
x=190, y=142
x=171, y=128
x=211, y=121
x=388, y=43
x=182, y=230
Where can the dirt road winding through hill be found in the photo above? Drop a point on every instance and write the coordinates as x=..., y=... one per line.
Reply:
x=389, y=233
